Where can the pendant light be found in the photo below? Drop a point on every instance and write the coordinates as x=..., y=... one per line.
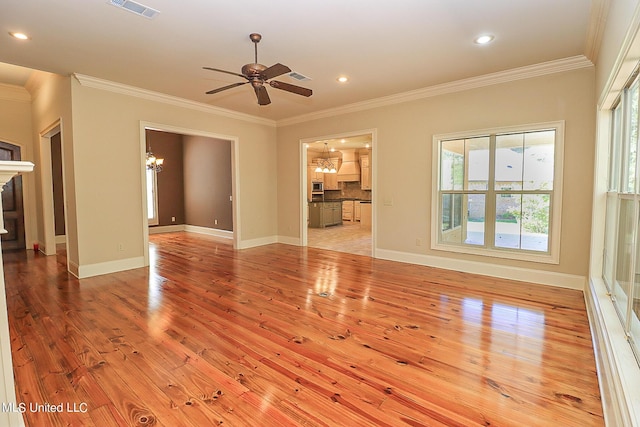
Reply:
x=325, y=164
x=153, y=163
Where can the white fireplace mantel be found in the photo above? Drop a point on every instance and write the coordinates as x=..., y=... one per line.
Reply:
x=8, y=169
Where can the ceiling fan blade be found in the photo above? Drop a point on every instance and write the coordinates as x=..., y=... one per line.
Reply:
x=263, y=96
x=224, y=71
x=274, y=71
x=220, y=89
x=291, y=88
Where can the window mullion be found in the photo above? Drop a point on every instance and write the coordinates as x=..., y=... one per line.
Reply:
x=490, y=199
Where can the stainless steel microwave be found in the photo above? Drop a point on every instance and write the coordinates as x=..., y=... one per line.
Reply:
x=317, y=187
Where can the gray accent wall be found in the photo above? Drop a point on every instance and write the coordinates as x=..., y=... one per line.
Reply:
x=195, y=183
x=58, y=190
x=207, y=182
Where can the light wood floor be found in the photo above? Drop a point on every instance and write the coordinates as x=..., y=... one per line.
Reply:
x=283, y=335
x=350, y=237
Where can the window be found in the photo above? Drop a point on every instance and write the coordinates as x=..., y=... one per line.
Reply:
x=621, y=257
x=498, y=192
x=152, y=196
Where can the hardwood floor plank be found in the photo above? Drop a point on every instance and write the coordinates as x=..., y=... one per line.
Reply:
x=283, y=335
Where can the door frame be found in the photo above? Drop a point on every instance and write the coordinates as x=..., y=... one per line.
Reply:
x=48, y=247
x=235, y=200
x=373, y=162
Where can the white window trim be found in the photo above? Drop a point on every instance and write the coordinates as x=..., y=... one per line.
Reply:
x=553, y=256
x=156, y=218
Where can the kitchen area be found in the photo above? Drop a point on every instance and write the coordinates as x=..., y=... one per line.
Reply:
x=339, y=182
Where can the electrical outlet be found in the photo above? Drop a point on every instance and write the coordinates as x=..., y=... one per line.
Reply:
x=120, y=247
x=418, y=242
x=173, y=219
x=215, y=221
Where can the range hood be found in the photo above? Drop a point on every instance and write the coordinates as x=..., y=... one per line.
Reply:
x=350, y=169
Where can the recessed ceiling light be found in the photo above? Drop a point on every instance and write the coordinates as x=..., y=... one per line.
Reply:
x=343, y=79
x=484, y=39
x=20, y=36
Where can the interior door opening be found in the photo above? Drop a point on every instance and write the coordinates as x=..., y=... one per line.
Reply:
x=54, y=209
x=338, y=193
x=58, y=191
x=195, y=189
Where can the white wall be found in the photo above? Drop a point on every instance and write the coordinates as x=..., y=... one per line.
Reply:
x=16, y=128
x=107, y=163
x=403, y=168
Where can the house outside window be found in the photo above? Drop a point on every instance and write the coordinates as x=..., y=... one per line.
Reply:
x=498, y=192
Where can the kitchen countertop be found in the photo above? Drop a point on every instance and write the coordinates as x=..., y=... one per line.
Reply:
x=348, y=200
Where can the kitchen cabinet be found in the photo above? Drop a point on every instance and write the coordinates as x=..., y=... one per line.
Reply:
x=347, y=210
x=313, y=176
x=365, y=214
x=357, y=210
x=331, y=179
x=365, y=172
x=311, y=172
x=323, y=214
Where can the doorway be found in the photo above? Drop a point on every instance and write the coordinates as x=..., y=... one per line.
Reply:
x=186, y=197
x=12, y=203
x=338, y=193
x=53, y=191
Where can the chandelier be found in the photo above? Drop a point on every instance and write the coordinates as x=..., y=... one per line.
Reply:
x=154, y=163
x=325, y=164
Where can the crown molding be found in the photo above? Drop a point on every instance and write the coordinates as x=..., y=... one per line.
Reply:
x=597, y=21
x=14, y=93
x=624, y=64
x=96, y=83
x=531, y=71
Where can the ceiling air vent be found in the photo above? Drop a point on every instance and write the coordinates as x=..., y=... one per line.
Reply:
x=134, y=7
x=298, y=76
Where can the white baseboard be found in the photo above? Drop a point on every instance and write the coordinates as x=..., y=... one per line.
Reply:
x=74, y=269
x=618, y=371
x=561, y=280
x=61, y=239
x=209, y=231
x=84, y=271
x=295, y=241
x=245, y=244
x=42, y=248
x=166, y=229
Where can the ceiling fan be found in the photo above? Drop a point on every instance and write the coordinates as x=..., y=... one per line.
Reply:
x=258, y=75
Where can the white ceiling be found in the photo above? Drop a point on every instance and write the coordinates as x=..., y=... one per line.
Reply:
x=385, y=47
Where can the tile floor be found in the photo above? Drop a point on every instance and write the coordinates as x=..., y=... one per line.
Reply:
x=350, y=237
